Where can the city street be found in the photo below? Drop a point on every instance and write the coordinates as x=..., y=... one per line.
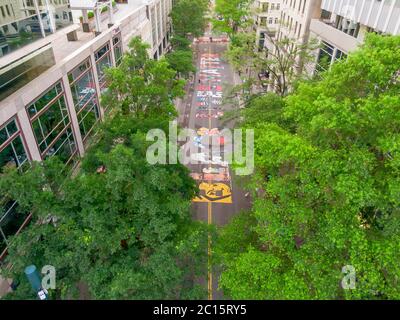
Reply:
x=220, y=195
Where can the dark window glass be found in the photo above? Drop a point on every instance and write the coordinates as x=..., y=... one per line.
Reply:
x=78, y=71
x=64, y=147
x=88, y=117
x=83, y=90
x=42, y=102
x=49, y=124
x=10, y=222
x=101, y=66
x=101, y=52
x=13, y=154
x=7, y=131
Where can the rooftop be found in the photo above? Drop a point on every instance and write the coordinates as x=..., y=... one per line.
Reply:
x=62, y=47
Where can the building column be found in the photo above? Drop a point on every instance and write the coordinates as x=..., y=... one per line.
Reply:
x=112, y=53
x=29, y=137
x=111, y=14
x=96, y=82
x=51, y=17
x=85, y=16
x=97, y=20
x=73, y=116
x=333, y=59
x=39, y=18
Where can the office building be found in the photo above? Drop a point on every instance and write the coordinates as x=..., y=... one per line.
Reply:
x=52, y=76
x=342, y=25
x=266, y=20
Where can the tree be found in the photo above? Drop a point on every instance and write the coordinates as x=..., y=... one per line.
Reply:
x=233, y=15
x=181, y=61
x=121, y=225
x=283, y=61
x=141, y=85
x=188, y=17
x=286, y=61
x=118, y=226
x=326, y=187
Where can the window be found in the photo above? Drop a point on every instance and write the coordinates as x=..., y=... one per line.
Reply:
x=50, y=121
x=117, y=43
x=88, y=117
x=12, y=153
x=50, y=95
x=84, y=95
x=64, y=147
x=270, y=21
x=103, y=61
x=324, y=57
x=82, y=84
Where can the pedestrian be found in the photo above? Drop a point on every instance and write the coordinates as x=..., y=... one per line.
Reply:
x=199, y=81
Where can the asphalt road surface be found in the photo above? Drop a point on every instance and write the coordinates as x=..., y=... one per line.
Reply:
x=220, y=195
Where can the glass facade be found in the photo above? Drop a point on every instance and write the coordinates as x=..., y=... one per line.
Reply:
x=52, y=126
x=85, y=98
x=328, y=55
x=12, y=154
x=117, y=43
x=24, y=21
x=22, y=71
x=103, y=61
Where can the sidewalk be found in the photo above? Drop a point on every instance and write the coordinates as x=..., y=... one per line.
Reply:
x=4, y=286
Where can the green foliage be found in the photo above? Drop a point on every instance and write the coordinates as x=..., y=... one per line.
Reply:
x=119, y=226
x=234, y=15
x=181, y=61
x=141, y=85
x=188, y=17
x=180, y=43
x=326, y=186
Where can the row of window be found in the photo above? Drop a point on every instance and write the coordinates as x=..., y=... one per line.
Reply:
x=288, y=21
x=265, y=6
x=52, y=128
x=12, y=154
x=300, y=5
x=263, y=21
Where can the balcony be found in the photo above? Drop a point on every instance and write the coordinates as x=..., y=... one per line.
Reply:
x=326, y=31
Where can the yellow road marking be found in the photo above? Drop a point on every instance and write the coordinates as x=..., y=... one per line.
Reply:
x=210, y=280
x=214, y=192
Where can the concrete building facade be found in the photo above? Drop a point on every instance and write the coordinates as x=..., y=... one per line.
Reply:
x=266, y=20
x=342, y=26
x=50, y=86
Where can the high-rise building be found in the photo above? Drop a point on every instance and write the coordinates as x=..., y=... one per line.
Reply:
x=342, y=25
x=339, y=26
x=295, y=19
x=52, y=76
x=266, y=20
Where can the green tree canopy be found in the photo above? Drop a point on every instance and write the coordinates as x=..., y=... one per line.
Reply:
x=326, y=188
x=121, y=225
x=188, y=17
x=142, y=85
x=181, y=61
x=234, y=14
